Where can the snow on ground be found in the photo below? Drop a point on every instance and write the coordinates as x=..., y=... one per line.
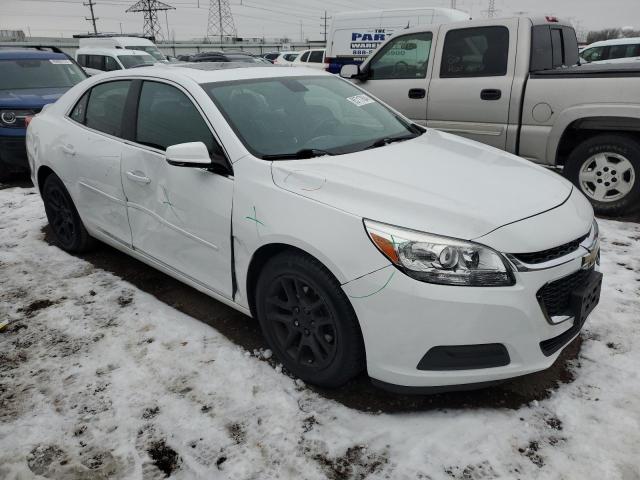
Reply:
x=98, y=379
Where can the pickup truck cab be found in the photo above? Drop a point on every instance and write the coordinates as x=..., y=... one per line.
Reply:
x=512, y=83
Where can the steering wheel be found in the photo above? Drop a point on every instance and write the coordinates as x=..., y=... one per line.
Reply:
x=400, y=68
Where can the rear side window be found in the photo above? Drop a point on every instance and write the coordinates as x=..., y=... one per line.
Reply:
x=304, y=57
x=166, y=117
x=106, y=106
x=475, y=52
x=557, y=48
x=82, y=60
x=95, y=61
x=316, y=56
x=79, y=111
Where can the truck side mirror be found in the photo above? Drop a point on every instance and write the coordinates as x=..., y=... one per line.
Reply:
x=350, y=71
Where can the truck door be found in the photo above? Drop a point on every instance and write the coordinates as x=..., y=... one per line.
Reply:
x=399, y=74
x=471, y=86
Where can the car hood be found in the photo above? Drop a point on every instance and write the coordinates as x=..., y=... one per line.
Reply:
x=436, y=183
x=30, y=98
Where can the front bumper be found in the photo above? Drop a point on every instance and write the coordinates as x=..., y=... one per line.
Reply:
x=402, y=319
x=13, y=151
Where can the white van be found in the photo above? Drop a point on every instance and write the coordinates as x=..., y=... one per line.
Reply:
x=126, y=42
x=355, y=35
x=95, y=59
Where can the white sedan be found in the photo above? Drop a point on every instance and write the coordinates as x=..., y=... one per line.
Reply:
x=356, y=238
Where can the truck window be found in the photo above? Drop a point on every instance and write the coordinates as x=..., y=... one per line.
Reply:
x=557, y=47
x=406, y=56
x=475, y=52
x=316, y=56
x=304, y=57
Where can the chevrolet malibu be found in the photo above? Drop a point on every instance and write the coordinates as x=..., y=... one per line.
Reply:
x=356, y=238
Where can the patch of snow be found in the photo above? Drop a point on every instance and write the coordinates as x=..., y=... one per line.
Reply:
x=99, y=379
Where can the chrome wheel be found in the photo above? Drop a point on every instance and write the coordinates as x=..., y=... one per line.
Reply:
x=606, y=177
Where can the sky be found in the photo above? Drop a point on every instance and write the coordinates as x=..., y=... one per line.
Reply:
x=295, y=19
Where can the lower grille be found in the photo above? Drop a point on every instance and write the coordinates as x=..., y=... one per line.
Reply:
x=555, y=297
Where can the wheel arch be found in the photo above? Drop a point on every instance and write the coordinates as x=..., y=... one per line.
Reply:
x=576, y=130
x=43, y=172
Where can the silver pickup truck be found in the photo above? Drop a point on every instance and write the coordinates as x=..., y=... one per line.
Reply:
x=514, y=84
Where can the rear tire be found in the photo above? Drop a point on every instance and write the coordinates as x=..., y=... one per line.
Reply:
x=606, y=168
x=308, y=320
x=63, y=217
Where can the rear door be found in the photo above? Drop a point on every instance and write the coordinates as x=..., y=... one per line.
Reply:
x=316, y=59
x=94, y=150
x=471, y=86
x=399, y=74
x=180, y=217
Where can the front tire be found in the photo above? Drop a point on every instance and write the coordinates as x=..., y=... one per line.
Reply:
x=308, y=321
x=63, y=217
x=606, y=168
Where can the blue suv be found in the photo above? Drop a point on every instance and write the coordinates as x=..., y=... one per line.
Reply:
x=30, y=78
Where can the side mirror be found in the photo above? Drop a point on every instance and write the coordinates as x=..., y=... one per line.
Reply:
x=192, y=154
x=350, y=71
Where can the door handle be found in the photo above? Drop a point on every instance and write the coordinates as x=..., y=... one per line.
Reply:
x=69, y=150
x=133, y=176
x=491, y=94
x=417, y=93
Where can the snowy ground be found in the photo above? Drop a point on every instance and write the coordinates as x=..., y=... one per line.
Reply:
x=99, y=379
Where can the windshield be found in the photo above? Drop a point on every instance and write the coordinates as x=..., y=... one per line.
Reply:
x=151, y=50
x=39, y=73
x=281, y=116
x=130, y=61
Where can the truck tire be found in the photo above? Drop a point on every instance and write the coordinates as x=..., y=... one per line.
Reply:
x=606, y=169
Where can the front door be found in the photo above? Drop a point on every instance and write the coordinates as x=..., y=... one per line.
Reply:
x=179, y=216
x=471, y=84
x=399, y=74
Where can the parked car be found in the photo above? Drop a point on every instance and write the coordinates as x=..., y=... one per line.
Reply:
x=271, y=56
x=286, y=58
x=619, y=50
x=466, y=78
x=355, y=237
x=310, y=58
x=355, y=35
x=122, y=41
x=96, y=60
x=226, y=57
x=30, y=78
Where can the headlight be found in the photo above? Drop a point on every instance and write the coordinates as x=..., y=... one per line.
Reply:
x=14, y=118
x=435, y=259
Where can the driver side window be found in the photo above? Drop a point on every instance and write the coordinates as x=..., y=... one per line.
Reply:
x=406, y=56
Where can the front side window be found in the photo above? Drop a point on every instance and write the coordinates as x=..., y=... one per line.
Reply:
x=316, y=56
x=406, y=56
x=130, y=61
x=106, y=106
x=39, y=73
x=475, y=52
x=166, y=117
x=593, y=54
x=285, y=117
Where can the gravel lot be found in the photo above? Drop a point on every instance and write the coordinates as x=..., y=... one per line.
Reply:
x=109, y=368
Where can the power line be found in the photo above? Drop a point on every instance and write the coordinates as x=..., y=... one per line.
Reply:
x=93, y=17
x=220, y=21
x=150, y=9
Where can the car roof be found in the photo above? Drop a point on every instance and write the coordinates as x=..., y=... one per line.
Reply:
x=615, y=41
x=27, y=53
x=109, y=51
x=211, y=72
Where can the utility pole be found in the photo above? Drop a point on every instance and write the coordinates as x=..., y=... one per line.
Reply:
x=453, y=4
x=324, y=25
x=93, y=18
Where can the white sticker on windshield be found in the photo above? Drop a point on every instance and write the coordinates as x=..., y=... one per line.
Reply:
x=60, y=62
x=360, y=100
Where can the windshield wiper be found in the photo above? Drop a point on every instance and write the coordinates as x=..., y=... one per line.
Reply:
x=381, y=142
x=300, y=154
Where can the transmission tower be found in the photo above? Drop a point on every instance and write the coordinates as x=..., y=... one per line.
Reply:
x=220, y=23
x=93, y=18
x=491, y=10
x=150, y=9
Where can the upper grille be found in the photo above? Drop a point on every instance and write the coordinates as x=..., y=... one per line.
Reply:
x=555, y=297
x=550, y=254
